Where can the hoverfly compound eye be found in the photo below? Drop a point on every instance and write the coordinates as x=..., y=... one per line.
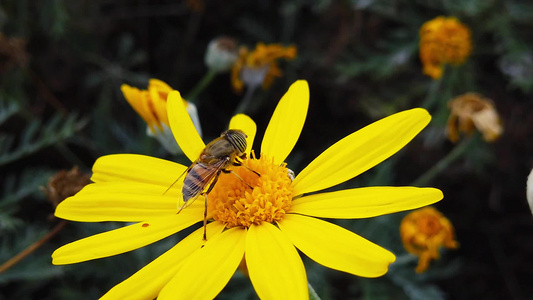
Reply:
x=237, y=138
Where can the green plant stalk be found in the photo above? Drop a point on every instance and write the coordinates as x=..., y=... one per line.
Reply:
x=312, y=294
x=453, y=155
x=246, y=100
x=433, y=93
x=201, y=85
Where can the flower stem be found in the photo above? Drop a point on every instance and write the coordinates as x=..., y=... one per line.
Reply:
x=432, y=95
x=17, y=258
x=453, y=155
x=201, y=85
x=312, y=294
x=246, y=100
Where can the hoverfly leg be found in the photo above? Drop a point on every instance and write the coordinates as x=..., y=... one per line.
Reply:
x=211, y=186
x=239, y=177
x=256, y=173
x=182, y=207
x=238, y=163
x=205, y=219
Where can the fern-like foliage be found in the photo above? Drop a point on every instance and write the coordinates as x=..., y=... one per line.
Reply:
x=8, y=109
x=37, y=136
x=18, y=186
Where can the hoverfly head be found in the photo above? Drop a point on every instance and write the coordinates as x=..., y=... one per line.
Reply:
x=237, y=138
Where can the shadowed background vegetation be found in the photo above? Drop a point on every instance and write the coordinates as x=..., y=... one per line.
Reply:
x=62, y=64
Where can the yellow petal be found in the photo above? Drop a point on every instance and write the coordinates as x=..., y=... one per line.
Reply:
x=182, y=127
x=159, y=85
x=126, y=238
x=148, y=281
x=147, y=107
x=137, y=168
x=159, y=105
x=247, y=125
x=335, y=247
x=119, y=201
x=365, y=202
x=286, y=123
x=361, y=150
x=208, y=270
x=136, y=99
x=275, y=267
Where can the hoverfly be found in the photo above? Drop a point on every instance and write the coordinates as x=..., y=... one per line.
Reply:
x=221, y=153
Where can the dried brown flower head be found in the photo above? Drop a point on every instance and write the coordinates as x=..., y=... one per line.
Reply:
x=65, y=184
x=472, y=111
x=12, y=53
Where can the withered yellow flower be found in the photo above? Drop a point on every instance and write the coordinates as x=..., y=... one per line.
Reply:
x=472, y=111
x=259, y=67
x=424, y=231
x=443, y=40
x=151, y=105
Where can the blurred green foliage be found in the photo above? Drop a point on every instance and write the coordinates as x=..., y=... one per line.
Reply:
x=63, y=107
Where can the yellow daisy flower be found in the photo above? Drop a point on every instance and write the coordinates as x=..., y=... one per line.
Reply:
x=443, y=40
x=151, y=105
x=265, y=224
x=259, y=67
x=424, y=231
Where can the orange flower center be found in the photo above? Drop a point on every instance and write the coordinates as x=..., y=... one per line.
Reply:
x=254, y=199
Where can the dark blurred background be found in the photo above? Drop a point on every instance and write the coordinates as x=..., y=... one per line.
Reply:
x=61, y=106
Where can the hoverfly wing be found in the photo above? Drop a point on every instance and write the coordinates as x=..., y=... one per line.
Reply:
x=176, y=181
x=198, y=178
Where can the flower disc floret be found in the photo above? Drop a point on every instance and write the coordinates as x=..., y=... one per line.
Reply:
x=234, y=203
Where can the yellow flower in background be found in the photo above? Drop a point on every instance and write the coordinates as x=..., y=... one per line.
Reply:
x=424, y=232
x=473, y=111
x=259, y=67
x=443, y=40
x=151, y=105
x=263, y=221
